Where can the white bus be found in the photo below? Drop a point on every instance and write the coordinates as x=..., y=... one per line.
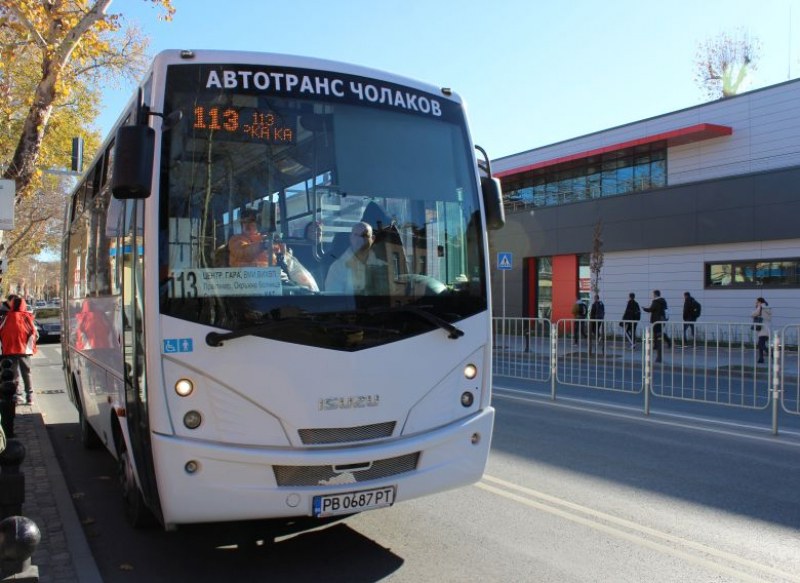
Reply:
x=239, y=388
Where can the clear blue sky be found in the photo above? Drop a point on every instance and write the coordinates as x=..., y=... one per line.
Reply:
x=532, y=73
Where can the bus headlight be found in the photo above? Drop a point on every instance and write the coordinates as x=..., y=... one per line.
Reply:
x=184, y=387
x=467, y=398
x=470, y=371
x=192, y=419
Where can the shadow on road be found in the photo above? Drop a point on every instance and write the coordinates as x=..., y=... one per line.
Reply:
x=707, y=464
x=233, y=553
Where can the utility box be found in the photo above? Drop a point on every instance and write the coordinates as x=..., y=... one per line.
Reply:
x=8, y=189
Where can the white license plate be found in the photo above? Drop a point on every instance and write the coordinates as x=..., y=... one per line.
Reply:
x=350, y=502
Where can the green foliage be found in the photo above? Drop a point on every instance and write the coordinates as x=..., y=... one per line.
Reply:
x=54, y=57
x=57, y=54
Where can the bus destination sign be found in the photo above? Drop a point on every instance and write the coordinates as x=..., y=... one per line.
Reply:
x=246, y=123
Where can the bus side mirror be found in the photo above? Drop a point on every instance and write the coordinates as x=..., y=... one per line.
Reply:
x=493, y=202
x=133, y=162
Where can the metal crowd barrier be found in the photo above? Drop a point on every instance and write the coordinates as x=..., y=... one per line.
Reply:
x=717, y=365
x=790, y=369
x=597, y=354
x=709, y=362
x=522, y=348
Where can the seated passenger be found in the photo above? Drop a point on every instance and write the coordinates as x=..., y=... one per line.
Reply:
x=352, y=273
x=249, y=249
x=310, y=253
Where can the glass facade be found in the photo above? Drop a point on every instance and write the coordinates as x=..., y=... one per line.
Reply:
x=611, y=174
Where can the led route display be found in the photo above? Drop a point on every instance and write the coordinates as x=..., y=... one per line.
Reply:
x=244, y=123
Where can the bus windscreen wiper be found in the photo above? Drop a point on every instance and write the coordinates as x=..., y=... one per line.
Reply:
x=216, y=339
x=423, y=313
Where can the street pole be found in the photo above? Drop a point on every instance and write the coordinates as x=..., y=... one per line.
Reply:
x=503, y=329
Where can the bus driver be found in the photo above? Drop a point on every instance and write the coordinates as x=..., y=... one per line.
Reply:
x=350, y=273
x=249, y=249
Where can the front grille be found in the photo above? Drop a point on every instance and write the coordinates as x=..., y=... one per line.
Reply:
x=323, y=436
x=350, y=474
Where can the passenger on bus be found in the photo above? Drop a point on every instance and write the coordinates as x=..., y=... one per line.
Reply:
x=249, y=249
x=310, y=252
x=358, y=270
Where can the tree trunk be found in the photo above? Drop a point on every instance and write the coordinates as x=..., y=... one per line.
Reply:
x=23, y=164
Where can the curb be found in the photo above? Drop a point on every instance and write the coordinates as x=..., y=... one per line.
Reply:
x=82, y=559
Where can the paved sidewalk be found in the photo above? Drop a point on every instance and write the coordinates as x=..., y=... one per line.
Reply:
x=63, y=556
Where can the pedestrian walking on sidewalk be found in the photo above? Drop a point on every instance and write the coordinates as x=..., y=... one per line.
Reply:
x=691, y=312
x=579, y=313
x=18, y=337
x=762, y=318
x=658, y=315
x=631, y=317
x=597, y=313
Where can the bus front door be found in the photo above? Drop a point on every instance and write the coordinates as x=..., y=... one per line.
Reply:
x=140, y=505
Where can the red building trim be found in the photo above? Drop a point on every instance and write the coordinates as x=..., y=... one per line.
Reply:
x=679, y=137
x=565, y=286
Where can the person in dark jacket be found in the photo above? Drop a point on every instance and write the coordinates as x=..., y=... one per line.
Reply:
x=658, y=315
x=691, y=311
x=579, y=313
x=18, y=338
x=597, y=313
x=632, y=315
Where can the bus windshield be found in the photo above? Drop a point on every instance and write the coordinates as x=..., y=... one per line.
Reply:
x=316, y=219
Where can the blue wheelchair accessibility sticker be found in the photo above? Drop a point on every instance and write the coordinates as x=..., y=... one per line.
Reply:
x=175, y=345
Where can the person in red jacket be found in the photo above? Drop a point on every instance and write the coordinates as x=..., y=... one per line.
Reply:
x=18, y=338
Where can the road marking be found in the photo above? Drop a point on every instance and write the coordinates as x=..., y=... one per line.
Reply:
x=614, y=525
x=529, y=398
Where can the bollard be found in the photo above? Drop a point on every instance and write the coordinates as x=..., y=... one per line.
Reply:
x=19, y=537
x=12, y=480
x=8, y=396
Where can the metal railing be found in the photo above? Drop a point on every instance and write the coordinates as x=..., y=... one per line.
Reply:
x=522, y=348
x=713, y=363
x=597, y=354
x=789, y=363
x=718, y=364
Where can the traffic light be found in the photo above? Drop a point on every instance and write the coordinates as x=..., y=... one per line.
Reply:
x=77, y=155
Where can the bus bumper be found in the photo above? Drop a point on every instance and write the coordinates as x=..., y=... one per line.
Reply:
x=239, y=483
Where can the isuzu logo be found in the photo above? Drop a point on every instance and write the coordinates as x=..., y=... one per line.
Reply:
x=350, y=402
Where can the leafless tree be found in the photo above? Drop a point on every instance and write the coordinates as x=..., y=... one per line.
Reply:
x=724, y=62
x=597, y=258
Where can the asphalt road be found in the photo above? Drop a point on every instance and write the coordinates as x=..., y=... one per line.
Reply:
x=575, y=490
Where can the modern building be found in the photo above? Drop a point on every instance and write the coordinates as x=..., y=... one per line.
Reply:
x=705, y=200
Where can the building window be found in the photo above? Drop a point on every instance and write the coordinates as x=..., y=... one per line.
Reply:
x=753, y=274
x=544, y=287
x=620, y=172
x=584, y=278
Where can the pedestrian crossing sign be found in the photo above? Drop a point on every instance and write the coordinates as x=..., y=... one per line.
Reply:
x=505, y=260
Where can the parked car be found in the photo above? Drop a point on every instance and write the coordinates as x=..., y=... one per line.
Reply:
x=48, y=323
